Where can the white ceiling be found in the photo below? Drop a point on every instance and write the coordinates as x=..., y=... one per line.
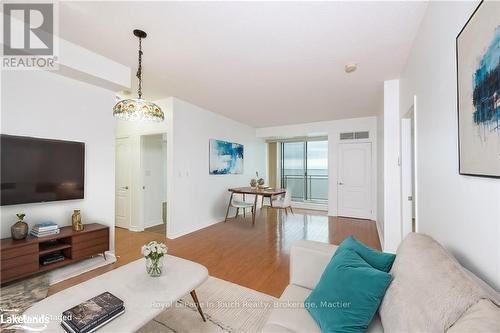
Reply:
x=261, y=63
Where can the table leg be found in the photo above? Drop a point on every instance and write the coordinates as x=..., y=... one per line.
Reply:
x=195, y=299
x=228, y=206
x=254, y=209
x=262, y=202
x=271, y=200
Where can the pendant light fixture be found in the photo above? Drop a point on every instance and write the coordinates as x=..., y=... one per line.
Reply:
x=138, y=108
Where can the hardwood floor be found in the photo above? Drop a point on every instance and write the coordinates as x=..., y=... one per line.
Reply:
x=256, y=257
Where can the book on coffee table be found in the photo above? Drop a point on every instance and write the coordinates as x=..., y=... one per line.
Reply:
x=92, y=314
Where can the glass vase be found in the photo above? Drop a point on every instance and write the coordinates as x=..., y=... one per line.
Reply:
x=154, y=266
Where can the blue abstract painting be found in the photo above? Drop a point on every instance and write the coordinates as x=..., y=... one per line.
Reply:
x=486, y=86
x=478, y=83
x=225, y=157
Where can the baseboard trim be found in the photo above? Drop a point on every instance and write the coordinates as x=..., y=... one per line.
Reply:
x=153, y=223
x=196, y=228
x=307, y=205
x=136, y=229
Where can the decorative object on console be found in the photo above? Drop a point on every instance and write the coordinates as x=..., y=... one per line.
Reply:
x=138, y=108
x=19, y=230
x=76, y=220
x=92, y=314
x=225, y=158
x=253, y=183
x=45, y=229
x=478, y=95
x=154, y=253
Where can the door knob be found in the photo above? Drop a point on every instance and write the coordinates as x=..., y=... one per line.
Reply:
x=340, y=183
x=125, y=187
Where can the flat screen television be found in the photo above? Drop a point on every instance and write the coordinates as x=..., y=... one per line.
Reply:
x=40, y=170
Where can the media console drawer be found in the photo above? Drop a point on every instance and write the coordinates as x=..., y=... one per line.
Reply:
x=80, y=239
x=21, y=258
x=17, y=261
x=10, y=253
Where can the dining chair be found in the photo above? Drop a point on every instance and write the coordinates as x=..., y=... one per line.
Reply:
x=235, y=203
x=285, y=203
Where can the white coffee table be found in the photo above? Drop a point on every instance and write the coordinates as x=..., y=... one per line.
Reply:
x=144, y=297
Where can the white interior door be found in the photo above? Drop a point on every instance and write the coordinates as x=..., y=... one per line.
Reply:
x=407, y=176
x=122, y=183
x=354, y=180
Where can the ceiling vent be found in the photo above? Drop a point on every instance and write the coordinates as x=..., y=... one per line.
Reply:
x=354, y=135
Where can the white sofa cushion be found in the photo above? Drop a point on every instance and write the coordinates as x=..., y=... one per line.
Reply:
x=429, y=291
x=308, y=260
x=291, y=316
x=290, y=312
x=482, y=317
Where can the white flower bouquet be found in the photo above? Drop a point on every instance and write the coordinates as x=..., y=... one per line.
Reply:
x=154, y=253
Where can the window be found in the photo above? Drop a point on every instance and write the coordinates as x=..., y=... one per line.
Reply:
x=304, y=169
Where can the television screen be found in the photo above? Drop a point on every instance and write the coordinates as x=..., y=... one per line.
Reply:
x=39, y=170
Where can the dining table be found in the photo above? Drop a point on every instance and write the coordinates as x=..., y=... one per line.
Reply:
x=264, y=192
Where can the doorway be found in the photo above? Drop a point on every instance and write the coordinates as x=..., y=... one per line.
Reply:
x=154, y=182
x=408, y=168
x=355, y=180
x=123, y=183
x=141, y=182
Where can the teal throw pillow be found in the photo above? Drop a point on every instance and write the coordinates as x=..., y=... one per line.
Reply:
x=348, y=294
x=379, y=260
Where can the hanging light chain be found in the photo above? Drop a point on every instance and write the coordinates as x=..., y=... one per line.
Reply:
x=139, y=69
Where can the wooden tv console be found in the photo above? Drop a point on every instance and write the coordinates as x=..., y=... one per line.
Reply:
x=20, y=258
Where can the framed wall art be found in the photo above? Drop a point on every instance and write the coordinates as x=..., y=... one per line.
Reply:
x=225, y=157
x=478, y=92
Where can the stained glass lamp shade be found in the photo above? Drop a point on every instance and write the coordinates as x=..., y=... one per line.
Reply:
x=137, y=108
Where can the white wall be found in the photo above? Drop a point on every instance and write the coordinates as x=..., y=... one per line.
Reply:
x=461, y=212
x=154, y=178
x=41, y=104
x=200, y=199
x=332, y=129
x=392, y=170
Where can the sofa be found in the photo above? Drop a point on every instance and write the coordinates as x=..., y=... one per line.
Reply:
x=430, y=292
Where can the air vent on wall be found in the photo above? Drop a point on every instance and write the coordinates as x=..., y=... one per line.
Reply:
x=354, y=135
x=347, y=136
x=362, y=135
